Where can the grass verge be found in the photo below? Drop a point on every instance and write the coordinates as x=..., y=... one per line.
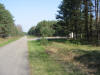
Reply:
x=7, y=40
x=50, y=60
x=41, y=62
x=60, y=57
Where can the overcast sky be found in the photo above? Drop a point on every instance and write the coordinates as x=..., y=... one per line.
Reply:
x=29, y=12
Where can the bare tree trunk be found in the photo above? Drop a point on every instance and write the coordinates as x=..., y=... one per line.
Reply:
x=91, y=23
x=97, y=19
x=86, y=20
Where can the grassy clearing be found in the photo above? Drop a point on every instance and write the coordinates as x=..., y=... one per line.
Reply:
x=60, y=57
x=7, y=40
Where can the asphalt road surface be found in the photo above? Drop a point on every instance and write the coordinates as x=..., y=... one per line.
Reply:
x=14, y=58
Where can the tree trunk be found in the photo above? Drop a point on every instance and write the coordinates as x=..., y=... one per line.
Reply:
x=86, y=21
x=91, y=23
x=97, y=19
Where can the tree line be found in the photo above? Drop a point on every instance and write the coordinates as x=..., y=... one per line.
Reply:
x=7, y=26
x=43, y=28
x=80, y=17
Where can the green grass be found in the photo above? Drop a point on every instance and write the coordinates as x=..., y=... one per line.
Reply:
x=45, y=62
x=7, y=41
x=41, y=62
x=61, y=57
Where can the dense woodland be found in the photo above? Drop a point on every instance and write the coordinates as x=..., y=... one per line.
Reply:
x=7, y=26
x=81, y=17
x=78, y=16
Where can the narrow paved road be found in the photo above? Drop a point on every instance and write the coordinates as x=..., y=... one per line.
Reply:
x=38, y=38
x=14, y=58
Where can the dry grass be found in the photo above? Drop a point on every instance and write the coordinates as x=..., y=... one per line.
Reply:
x=85, y=57
x=41, y=62
x=63, y=58
x=7, y=40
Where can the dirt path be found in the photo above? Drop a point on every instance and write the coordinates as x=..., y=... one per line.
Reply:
x=14, y=58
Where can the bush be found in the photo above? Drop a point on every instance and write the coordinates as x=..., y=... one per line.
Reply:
x=43, y=41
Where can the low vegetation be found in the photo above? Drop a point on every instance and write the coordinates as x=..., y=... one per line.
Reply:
x=7, y=40
x=41, y=62
x=60, y=57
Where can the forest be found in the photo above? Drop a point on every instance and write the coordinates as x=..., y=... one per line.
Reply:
x=7, y=25
x=80, y=17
